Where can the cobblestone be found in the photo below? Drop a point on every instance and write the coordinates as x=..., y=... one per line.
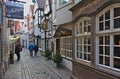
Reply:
x=35, y=68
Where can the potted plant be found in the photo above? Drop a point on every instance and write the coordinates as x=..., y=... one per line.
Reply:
x=48, y=54
x=57, y=58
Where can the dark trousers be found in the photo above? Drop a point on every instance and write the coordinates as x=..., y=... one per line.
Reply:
x=18, y=56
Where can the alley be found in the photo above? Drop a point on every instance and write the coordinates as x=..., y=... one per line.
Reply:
x=35, y=68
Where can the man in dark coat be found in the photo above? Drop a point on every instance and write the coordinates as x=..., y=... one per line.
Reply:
x=36, y=49
x=18, y=49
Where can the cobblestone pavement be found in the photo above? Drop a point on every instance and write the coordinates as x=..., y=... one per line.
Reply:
x=35, y=68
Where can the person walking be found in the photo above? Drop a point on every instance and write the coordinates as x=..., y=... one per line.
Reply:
x=36, y=49
x=31, y=48
x=18, y=49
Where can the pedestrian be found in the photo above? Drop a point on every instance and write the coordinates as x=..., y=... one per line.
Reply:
x=36, y=49
x=18, y=49
x=31, y=48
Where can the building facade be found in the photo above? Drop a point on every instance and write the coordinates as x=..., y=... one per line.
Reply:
x=96, y=39
x=3, y=40
x=63, y=34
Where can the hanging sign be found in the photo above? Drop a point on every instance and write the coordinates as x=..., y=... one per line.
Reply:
x=14, y=10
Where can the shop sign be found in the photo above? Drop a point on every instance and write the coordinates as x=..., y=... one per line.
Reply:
x=89, y=5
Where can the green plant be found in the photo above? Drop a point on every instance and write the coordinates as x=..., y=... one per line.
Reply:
x=48, y=54
x=57, y=58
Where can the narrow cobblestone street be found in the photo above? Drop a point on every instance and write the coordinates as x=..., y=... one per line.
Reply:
x=35, y=68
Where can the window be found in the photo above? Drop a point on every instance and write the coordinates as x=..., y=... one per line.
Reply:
x=66, y=46
x=104, y=50
x=104, y=21
x=83, y=39
x=63, y=2
x=108, y=42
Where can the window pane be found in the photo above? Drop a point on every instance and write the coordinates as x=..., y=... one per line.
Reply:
x=89, y=49
x=100, y=59
x=85, y=49
x=116, y=39
x=117, y=23
x=107, y=15
x=85, y=40
x=107, y=25
x=107, y=61
x=101, y=18
x=80, y=31
x=85, y=22
x=89, y=58
x=101, y=40
x=101, y=26
x=107, y=50
x=89, y=29
x=107, y=40
x=116, y=12
x=100, y=49
x=117, y=51
x=89, y=40
x=117, y=63
x=85, y=56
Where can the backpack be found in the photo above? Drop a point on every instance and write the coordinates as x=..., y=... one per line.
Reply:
x=20, y=48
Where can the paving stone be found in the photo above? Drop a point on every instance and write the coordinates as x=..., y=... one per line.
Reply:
x=35, y=68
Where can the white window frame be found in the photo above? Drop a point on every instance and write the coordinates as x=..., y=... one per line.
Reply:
x=82, y=35
x=111, y=33
x=66, y=48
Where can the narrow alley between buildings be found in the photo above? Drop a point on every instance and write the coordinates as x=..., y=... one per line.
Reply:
x=35, y=67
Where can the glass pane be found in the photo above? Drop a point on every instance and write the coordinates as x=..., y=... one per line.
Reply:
x=117, y=63
x=116, y=39
x=101, y=26
x=107, y=50
x=107, y=25
x=107, y=61
x=116, y=12
x=117, y=23
x=89, y=49
x=107, y=15
x=89, y=40
x=85, y=22
x=100, y=59
x=101, y=18
x=78, y=54
x=107, y=40
x=85, y=49
x=117, y=51
x=101, y=40
x=81, y=55
x=100, y=49
x=89, y=29
x=85, y=40
x=85, y=56
x=89, y=58
x=80, y=31
x=85, y=29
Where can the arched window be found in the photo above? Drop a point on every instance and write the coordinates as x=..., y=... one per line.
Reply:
x=108, y=37
x=83, y=39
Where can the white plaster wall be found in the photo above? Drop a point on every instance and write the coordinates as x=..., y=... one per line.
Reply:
x=63, y=15
x=67, y=64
